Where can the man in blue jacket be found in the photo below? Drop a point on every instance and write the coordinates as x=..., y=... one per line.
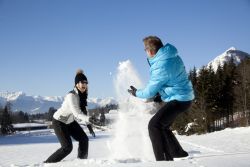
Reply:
x=169, y=81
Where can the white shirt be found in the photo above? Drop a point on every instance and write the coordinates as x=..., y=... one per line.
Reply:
x=70, y=110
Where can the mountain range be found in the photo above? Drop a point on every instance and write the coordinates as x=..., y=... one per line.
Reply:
x=40, y=104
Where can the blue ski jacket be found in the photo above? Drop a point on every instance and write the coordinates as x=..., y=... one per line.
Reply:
x=168, y=77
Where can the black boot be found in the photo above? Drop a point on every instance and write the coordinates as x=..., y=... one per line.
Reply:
x=173, y=145
x=83, y=149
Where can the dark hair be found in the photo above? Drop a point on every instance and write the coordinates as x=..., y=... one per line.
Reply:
x=152, y=43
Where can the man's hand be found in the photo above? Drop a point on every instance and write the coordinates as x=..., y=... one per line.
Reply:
x=157, y=98
x=91, y=130
x=132, y=90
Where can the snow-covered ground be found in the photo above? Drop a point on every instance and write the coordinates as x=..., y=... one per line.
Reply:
x=230, y=148
x=126, y=141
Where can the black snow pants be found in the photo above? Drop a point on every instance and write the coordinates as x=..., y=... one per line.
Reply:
x=165, y=145
x=64, y=132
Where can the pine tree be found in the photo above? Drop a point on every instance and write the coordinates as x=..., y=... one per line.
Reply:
x=242, y=91
x=6, y=123
x=203, y=87
x=20, y=117
x=229, y=95
x=194, y=116
x=193, y=76
x=218, y=95
x=212, y=109
x=26, y=117
x=1, y=112
x=225, y=98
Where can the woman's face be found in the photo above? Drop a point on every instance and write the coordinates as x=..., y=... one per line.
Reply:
x=82, y=86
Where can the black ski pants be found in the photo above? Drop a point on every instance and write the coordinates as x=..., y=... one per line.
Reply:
x=64, y=132
x=165, y=145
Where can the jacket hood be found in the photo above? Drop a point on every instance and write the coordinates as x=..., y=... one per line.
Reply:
x=165, y=52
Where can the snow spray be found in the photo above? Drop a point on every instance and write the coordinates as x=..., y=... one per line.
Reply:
x=131, y=140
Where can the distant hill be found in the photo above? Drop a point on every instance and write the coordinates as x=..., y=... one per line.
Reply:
x=40, y=104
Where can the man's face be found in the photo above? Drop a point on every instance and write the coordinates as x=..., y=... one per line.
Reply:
x=149, y=53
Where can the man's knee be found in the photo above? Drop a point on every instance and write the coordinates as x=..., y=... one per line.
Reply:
x=152, y=126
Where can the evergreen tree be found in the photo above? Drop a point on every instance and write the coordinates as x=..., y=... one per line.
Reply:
x=218, y=95
x=26, y=117
x=242, y=91
x=1, y=112
x=202, y=90
x=219, y=82
x=194, y=116
x=228, y=97
x=212, y=109
x=193, y=76
x=20, y=117
x=6, y=123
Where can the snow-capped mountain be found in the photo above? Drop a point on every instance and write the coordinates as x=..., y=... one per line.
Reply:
x=39, y=104
x=231, y=53
x=98, y=102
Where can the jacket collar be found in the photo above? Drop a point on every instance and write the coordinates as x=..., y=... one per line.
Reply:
x=76, y=90
x=165, y=52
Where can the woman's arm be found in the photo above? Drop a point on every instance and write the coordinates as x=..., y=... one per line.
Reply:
x=75, y=108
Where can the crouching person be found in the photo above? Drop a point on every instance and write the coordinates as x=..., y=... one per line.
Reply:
x=64, y=121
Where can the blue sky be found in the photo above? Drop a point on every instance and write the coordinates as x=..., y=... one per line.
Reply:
x=43, y=42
